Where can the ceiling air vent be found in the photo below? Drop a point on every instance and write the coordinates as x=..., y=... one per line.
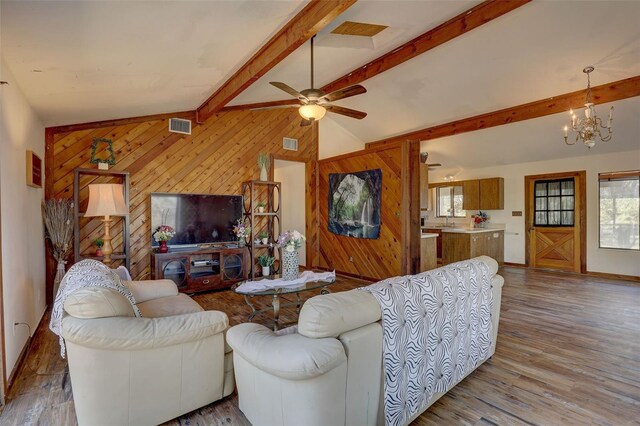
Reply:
x=290, y=144
x=179, y=125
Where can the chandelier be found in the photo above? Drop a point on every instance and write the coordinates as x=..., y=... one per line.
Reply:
x=589, y=127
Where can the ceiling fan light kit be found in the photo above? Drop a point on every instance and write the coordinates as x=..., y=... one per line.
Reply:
x=590, y=126
x=315, y=102
x=312, y=112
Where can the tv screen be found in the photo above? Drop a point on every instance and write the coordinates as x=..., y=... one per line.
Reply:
x=196, y=218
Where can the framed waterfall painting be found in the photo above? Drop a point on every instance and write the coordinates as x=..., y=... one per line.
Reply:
x=354, y=203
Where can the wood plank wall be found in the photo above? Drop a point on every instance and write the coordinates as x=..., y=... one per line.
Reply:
x=215, y=159
x=373, y=259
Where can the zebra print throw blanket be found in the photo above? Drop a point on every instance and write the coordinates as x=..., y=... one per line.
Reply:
x=436, y=329
x=86, y=273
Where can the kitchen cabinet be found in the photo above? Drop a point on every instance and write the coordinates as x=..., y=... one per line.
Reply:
x=458, y=246
x=483, y=194
x=438, y=239
x=428, y=256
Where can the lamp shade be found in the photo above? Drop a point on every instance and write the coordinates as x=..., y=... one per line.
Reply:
x=312, y=112
x=106, y=199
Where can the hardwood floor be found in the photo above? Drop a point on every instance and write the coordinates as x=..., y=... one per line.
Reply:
x=568, y=353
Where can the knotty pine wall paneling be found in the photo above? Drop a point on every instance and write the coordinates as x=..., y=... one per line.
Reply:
x=216, y=158
x=390, y=254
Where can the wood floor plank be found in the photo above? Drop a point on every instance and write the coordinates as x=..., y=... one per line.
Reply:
x=568, y=353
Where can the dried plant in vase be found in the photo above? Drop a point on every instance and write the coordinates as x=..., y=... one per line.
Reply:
x=263, y=164
x=58, y=222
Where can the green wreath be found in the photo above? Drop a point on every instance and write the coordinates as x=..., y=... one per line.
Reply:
x=112, y=156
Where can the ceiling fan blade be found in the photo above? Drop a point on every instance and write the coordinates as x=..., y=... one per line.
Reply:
x=346, y=111
x=434, y=165
x=305, y=122
x=290, y=90
x=347, y=92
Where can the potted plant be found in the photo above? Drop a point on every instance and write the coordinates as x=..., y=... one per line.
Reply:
x=264, y=237
x=266, y=262
x=263, y=164
x=163, y=234
x=290, y=242
x=260, y=206
x=480, y=219
x=99, y=242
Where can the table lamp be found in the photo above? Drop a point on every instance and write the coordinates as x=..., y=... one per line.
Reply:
x=106, y=199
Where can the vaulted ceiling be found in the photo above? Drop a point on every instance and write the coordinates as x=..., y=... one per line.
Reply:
x=86, y=61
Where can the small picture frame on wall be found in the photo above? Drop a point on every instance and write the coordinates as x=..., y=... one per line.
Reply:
x=34, y=170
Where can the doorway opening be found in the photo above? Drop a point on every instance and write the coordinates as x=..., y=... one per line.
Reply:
x=555, y=221
x=292, y=176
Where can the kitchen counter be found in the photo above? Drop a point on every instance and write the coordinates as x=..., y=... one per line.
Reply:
x=462, y=230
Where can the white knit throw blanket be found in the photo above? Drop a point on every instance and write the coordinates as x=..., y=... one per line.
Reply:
x=436, y=329
x=86, y=273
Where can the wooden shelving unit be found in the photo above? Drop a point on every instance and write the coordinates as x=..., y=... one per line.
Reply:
x=270, y=221
x=123, y=177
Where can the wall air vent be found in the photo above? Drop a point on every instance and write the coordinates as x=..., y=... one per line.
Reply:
x=290, y=144
x=179, y=125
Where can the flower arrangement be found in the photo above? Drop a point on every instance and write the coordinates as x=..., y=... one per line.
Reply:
x=164, y=233
x=290, y=240
x=241, y=229
x=480, y=218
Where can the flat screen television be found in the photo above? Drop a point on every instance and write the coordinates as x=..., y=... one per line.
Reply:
x=197, y=218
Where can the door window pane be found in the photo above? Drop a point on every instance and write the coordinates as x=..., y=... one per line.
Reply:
x=620, y=212
x=554, y=203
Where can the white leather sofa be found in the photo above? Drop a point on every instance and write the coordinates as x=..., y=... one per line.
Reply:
x=329, y=371
x=143, y=371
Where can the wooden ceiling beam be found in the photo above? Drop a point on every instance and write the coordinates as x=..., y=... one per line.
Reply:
x=621, y=89
x=315, y=16
x=475, y=17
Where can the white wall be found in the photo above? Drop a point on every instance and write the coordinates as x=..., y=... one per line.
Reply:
x=292, y=176
x=598, y=260
x=335, y=139
x=23, y=256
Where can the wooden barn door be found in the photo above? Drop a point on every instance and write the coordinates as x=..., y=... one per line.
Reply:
x=556, y=221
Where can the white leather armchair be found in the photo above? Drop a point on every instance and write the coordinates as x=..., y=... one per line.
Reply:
x=137, y=371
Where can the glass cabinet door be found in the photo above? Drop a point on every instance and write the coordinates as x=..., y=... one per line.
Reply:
x=232, y=268
x=176, y=271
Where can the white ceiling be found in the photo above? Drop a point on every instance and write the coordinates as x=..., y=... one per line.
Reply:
x=104, y=60
x=532, y=140
x=109, y=59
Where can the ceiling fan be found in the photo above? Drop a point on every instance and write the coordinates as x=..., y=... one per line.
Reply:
x=315, y=102
x=424, y=156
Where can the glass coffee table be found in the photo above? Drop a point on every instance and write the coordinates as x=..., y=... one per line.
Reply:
x=279, y=293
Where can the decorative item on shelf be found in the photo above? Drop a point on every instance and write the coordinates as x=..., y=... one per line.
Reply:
x=242, y=231
x=103, y=163
x=34, y=170
x=266, y=262
x=163, y=234
x=589, y=127
x=261, y=206
x=480, y=220
x=98, y=243
x=106, y=199
x=263, y=164
x=58, y=222
x=264, y=237
x=290, y=241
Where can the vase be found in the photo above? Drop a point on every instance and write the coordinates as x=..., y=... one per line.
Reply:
x=164, y=248
x=241, y=242
x=265, y=271
x=289, y=265
x=58, y=278
x=263, y=174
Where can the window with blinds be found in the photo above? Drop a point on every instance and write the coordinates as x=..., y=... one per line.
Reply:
x=620, y=210
x=554, y=202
